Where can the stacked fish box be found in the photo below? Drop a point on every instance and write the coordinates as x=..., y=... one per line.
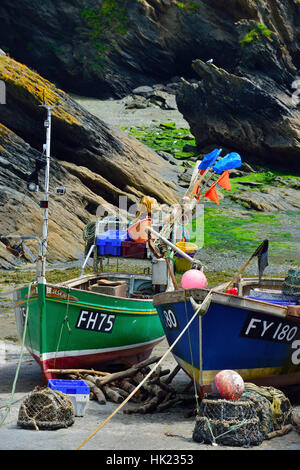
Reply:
x=129, y=243
x=136, y=245
x=110, y=242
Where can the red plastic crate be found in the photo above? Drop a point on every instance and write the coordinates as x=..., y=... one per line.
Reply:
x=134, y=249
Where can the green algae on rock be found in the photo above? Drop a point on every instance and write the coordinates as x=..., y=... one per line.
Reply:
x=165, y=137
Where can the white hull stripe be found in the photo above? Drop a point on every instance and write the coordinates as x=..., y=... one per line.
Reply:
x=87, y=352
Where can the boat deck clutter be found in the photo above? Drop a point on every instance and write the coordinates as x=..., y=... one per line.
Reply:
x=107, y=287
x=130, y=242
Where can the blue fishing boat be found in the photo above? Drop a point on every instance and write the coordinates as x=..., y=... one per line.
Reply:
x=255, y=332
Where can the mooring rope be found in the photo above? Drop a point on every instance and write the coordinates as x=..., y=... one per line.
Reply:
x=20, y=360
x=146, y=378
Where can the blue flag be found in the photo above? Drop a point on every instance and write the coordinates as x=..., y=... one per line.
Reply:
x=230, y=161
x=209, y=159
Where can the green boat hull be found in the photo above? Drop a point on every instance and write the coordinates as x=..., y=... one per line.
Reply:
x=71, y=328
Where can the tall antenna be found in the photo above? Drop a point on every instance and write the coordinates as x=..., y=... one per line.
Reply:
x=44, y=203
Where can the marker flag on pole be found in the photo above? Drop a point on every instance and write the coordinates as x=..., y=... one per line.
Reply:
x=262, y=255
x=224, y=181
x=212, y=194
x=209, y=160
x=229, y=162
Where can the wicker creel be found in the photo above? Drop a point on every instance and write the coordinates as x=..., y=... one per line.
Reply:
x=46, y=409
x=230, y=423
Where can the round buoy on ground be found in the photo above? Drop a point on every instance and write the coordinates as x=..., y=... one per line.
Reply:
x=194, y=279
x=228, y=384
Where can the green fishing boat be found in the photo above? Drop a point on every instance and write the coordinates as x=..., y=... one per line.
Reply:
x=69, y=326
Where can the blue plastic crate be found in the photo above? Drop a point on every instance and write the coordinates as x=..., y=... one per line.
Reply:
x=104, y=247
x=110, y=235
x=69, y=387
x=110, y=242
x=116, y=247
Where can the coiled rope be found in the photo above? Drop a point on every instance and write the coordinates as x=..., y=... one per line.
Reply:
x=88, y=234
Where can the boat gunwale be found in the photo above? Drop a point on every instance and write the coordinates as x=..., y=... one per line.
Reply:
x=223, y=298
x=114, y=297
x=87, y=277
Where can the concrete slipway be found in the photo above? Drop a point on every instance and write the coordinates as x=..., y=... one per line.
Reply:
x=168, y=431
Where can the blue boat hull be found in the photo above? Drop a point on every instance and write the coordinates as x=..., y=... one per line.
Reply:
x=261, y=342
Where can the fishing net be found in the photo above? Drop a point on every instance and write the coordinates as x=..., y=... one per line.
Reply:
x=272, y=407
x=231, y=423
x=46, y=409
x=245, y=422
x=291, y=284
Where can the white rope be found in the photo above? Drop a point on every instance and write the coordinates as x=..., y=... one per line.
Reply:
x=20, y=360
x=144, y=380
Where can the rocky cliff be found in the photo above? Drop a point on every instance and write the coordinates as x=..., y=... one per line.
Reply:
x=243, y=57
x=109, y=47
x=96, y=163
x=249, y=101
x=251, y=109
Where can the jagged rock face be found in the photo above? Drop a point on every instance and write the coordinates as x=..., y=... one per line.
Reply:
x=109, y=47
x=250, y=110
x=96, y=163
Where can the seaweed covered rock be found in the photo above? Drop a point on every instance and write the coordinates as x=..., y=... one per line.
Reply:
x=251, y=109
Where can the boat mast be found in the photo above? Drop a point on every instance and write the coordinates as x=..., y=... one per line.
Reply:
x=44, y=203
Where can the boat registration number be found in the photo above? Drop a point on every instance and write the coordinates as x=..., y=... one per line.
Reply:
x=95, y=321
x=170, y=319
x=277, y=329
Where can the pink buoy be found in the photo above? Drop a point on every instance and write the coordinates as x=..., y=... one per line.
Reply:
x=228, y=384
x=193, y=279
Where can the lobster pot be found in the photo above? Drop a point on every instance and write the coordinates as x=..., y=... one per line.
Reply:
x=291, y=284
x=230, y=423
x=46, y=409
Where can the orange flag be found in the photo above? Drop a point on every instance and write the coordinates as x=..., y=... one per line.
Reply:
x=212, y=194
x=224, y=181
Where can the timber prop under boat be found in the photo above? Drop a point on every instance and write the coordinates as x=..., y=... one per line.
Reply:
x=75, y=325
x=256, y=332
